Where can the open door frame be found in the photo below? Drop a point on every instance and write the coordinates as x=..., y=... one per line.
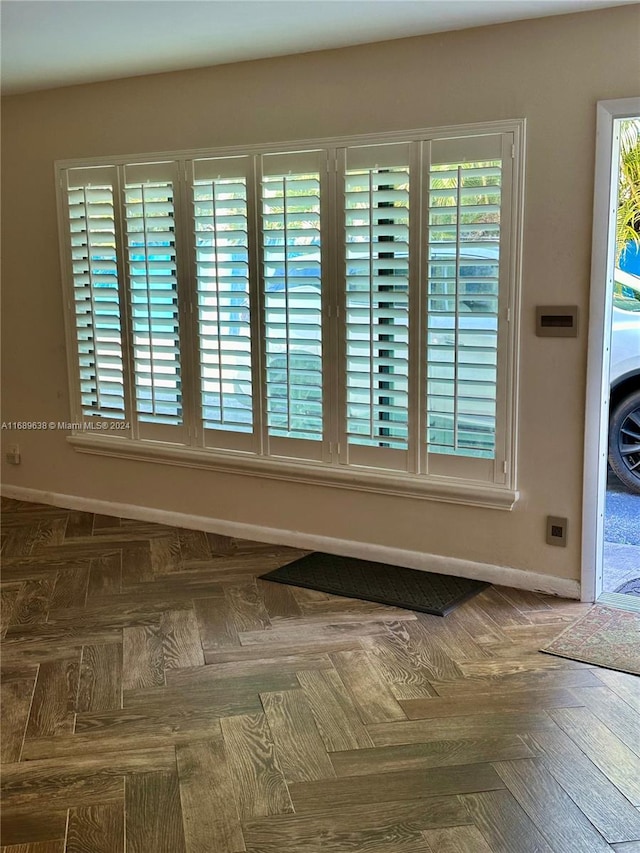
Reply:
x=600, y=306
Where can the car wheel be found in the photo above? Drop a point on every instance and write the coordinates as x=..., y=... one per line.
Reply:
x=624, y=441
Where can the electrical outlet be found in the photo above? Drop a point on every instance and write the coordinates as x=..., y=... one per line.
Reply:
x=556, y=531
x=12, y=455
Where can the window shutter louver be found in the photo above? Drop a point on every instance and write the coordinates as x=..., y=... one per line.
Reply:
x=221, y=221
x=292, y=293
x=376, y=211
x=153, y=292
x=98, y=340
x=463, y=283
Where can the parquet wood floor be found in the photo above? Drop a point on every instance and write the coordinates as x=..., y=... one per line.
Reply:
x=158, y=698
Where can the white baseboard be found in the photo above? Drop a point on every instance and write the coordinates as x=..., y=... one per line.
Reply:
x=501, y=575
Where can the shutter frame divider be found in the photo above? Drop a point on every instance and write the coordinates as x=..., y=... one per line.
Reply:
x=125, y=309
x=187, y=304
x=416, y=300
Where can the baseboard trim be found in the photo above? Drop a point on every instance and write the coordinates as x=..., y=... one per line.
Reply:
x=501, y=575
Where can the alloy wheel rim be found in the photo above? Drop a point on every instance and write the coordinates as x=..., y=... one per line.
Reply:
x=629, y=442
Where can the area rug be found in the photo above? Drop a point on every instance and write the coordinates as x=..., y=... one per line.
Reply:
x=605, y=636
x=363, y=579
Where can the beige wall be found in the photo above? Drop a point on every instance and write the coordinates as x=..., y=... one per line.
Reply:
x=550, y=71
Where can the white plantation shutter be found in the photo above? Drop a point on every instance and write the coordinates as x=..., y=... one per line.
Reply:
x=221, y=235
x=376, y=220
x=292, y=294
x=153, y=293
x=349, y=304
x=98, y=339
x=466, y=228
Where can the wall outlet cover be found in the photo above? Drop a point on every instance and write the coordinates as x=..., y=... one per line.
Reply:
x=556, y=531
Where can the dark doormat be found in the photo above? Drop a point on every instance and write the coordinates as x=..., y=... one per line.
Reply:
x=380, y=582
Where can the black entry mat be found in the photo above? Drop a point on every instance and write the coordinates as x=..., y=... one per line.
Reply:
x=364, y=579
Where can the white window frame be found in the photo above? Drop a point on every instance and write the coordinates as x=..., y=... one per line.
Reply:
x=500, y=493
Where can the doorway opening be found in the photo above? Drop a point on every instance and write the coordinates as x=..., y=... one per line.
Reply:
x=611, y=518
x=621, y=558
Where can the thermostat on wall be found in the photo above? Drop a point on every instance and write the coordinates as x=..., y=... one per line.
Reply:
x=557, y=321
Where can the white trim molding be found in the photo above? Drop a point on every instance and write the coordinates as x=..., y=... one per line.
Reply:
x=444, y=489
x=501, y=575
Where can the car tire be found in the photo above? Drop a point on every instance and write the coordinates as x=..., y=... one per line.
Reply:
x=624, y=430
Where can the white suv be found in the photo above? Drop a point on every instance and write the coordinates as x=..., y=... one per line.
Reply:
x=624, y=375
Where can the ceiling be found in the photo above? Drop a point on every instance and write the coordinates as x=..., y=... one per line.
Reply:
x=50, y=43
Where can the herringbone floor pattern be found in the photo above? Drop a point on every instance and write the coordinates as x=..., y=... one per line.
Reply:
x=157, y=698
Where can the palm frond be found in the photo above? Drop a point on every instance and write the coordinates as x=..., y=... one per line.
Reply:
x=628, y=219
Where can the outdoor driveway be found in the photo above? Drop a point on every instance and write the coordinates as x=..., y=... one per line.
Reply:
x=621, y=539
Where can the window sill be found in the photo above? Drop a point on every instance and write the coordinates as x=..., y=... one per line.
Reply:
x=442, y=489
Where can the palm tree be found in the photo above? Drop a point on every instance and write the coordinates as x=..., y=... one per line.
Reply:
x=628, y=224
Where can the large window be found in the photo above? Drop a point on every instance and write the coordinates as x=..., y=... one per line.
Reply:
x=339, y=312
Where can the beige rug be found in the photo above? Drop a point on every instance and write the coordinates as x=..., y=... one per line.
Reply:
x=605, y=636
